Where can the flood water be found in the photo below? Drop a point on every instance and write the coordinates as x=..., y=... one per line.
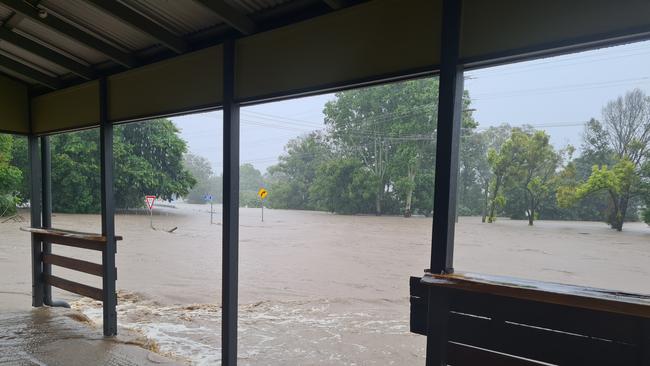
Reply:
x=315, y=288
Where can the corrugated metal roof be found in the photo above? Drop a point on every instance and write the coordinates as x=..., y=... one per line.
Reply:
x=81, y=13
x=79, y=50
x=190, y=20
x=52, y=47
x=181, y=17
x=29, y=62
x=5, y=12
x=43, y=65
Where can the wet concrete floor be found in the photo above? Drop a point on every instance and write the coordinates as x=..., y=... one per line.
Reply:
x=63, y=337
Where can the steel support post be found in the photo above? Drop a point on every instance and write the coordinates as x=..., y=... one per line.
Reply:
x=444, y=208
x=230, y=228
x=448, y=139
x=108, y=213
x=46, y=217
x=645, y=343
x=35, y=220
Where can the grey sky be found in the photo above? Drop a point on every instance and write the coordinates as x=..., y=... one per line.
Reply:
x=554, y=94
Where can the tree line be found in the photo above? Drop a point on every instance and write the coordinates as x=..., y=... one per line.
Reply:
x=211, y=184
x=377, y=156
x=148, y=160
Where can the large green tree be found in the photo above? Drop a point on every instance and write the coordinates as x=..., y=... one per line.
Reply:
x=616, y=182
x=391, y=129
x=524, y=171
x=75, y=172
x=148, y=160
x=534, y=170
x=291, y=179
x=385, y=124
x=622, y=142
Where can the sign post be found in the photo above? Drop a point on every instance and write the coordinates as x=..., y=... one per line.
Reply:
x=262, y=193
x=208, y=198
x=150, y=201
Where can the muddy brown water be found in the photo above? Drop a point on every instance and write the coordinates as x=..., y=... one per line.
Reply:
x=315, y=288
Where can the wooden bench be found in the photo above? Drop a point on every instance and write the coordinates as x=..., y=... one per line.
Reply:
x=75, y=239
x=492, y=320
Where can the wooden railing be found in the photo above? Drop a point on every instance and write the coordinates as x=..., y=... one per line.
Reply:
x=78, y=240
x=491, y=320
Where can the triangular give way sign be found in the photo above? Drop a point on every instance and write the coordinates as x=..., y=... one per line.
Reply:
x=150, y=200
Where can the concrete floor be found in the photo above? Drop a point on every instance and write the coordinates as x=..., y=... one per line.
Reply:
x=63, y=337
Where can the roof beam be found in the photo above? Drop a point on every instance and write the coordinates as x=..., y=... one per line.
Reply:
x=38, y=49
x=136, y=20
x=56, y=24
x=335, y=4
x=29, y=73
x=13, y=20
x=231, y=15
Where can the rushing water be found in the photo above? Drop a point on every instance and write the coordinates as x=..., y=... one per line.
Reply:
x=315, y=288
x=328, y=332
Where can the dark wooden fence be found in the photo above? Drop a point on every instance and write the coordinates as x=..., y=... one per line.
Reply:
x=487, y=320
x=78, y=240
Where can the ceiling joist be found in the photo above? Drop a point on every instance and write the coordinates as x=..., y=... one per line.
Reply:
x=38, y=49
x=136, y=20
x=231, y=16
x=58, y=25
x=29, y=73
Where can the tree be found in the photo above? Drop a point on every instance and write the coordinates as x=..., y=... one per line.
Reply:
x=500, y=161
x=404, y=183
x=595, y=206
x=250, y=181
x=534, y=170
x=476, y=174
x=75, y=172
x=10, y=177
x=524, y=168
x=206, y=182
x=623, y=140
x=292, y=177
x=391, y=130
x=20, y=159
x=470, y=156
x=148, y=160
x=615, y=182
x=344, y=185
x=379, y=124
x=645, y=188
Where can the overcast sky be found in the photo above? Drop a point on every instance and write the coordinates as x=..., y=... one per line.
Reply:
x=554, y=94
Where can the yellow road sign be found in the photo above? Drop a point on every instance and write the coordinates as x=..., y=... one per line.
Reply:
x=262, y=193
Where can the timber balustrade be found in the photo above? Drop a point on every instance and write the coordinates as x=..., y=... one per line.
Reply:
x=493, y=320
x=75, y=239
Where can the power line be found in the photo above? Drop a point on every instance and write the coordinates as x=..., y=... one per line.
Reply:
x=555, y=62
x=559, y=89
